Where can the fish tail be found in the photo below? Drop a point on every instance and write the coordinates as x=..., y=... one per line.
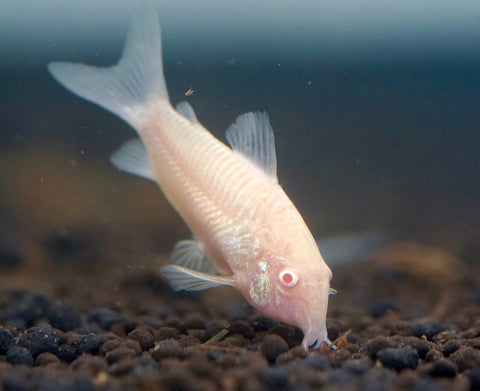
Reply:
x=129, y=86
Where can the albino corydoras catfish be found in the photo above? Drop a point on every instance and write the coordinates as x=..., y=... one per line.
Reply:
x=248, y=234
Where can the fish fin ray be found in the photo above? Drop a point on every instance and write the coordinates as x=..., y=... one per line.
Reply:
x=183, y=279
x=186, y=109
x=191, y=255
x=137, y=78
x=252, y=135
x=132, y=157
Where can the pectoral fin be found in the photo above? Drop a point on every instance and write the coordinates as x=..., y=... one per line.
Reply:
x=190, y=255
x=183, y=279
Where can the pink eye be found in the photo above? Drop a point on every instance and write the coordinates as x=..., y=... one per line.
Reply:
x=288, y=278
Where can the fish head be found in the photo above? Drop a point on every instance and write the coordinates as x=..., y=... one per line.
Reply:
x=293, y=292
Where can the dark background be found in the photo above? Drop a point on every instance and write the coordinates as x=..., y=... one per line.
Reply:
x=376, y=112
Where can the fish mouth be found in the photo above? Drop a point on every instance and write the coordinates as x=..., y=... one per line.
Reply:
x=314, y=338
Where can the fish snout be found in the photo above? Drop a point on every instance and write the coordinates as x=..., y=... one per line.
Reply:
x=314, y=337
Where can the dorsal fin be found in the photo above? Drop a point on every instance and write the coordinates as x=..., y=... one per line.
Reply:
x=132, y=157
x=252, y=135
x=185, y=109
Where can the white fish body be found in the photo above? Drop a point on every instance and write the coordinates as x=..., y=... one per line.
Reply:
x=248, y=232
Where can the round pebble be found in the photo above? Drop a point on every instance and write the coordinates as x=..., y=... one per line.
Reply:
x=318, y=362
x=7, y=340
x=474, y=378
x=144, y=338
x=46, y=359
x=39, y=339
x=422, y=347
x=166, y=333
x=19, y=355
x=262, y=323
x=429, y=329
x=398, y=359
x=65, y=316
x=67, y=352
x=90, y=343
x=26, y=306
x=272, y=346
x=241, y=327
x=89, y=364
x=451, y=347
x=443, y=368
x=466, y=358
x=15, y=382
x=194, y=322
x=105, y=317
x=119, y=354
x=274, y=378
x=377, y=344
x=167, y=348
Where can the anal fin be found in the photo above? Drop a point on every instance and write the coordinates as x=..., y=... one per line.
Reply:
x=132, y=157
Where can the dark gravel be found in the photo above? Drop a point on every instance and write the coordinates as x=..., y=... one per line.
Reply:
x=85, y=309
x=398, y=359
x=249, y=354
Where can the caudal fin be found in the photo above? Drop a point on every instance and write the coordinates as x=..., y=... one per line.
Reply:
x=125, y=88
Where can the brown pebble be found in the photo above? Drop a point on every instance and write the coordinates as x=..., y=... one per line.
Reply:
x=118, y=329
x=176, y=380
x=188, y=340
x=466, y=358
x=194, y=322
x=340, y=356
x=46, y=359
x=451, y=347
x=272, y=346
x=123, y=367
x=143, y=337
x=242, y=328
x=433, y=355
x=377, y=344
x=200, y=367
x=234, y=340
x=291, y=355
x=173, y=323
x=196, y=333
x=474, y=343
x=119, y=354
x=470, y=333
x=134, y=345
x=110, y=345
x=108, y=336
x=167, y=348
x=285, y=358
x=89, y=364
x=227, y=360
x=166, y=333
x=5, y=367
x=289, y=333
x=421, y=346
